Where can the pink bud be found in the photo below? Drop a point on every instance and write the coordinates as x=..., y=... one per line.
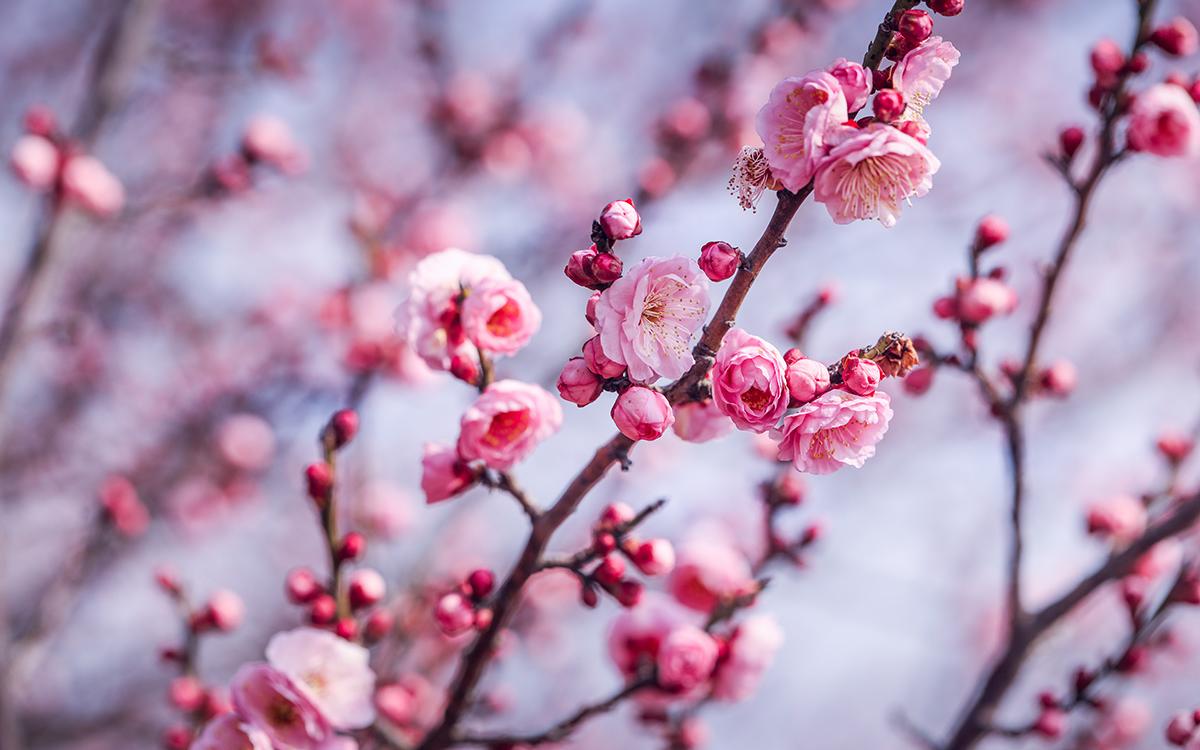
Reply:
x=1122, y=517
x=177, y=737
x=629, y=593
x=655, y=557
x=589, y=597
x=889, y=105
x=323, y=610
x=1107, y=60
x=367, y=587
x=598, y=362
x=604, y=542
x=465, y=367
x=919, y=381
x=617, y=514
x=352, y=547
x=343, y=425
x=916, y=129
x=454, y=614
x=346, y=628
x=1051, y=723
x=1177, y=37
x=992, y=230
x=320, y=482
x=1181, y=728
x=860, y=376
x=578, y=384
x=483, y=618
x=610, y=570
x=168, y=580
x=642, y=413
x=224, y=610
x=579, y=267
x=790, y=488
x=186, y=693
x=89, y=183
x=915, y=25
x=1069, y=140
x=396, y=704
x=301, y=586
x=1175, y=447
x=620, y=220
x=34, y=160
x=1059, y=379
x=480, y=582
x=946, y=7
x=379, y=624
x=607, y=267
x=807, y=379
x=981, y=299
x=589, y=311
x=719, y=260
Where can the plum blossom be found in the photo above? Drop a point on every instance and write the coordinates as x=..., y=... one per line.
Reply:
x=700, y=421
x=1121, y=518
x=443, y=473
x=88, y=182
x=686, y=658
x=637, y=633
x=230, y=732
x=871, y=171
x=854, y=80
x=332, y=672
x=647, y=318
x=751, y=177
x=709, y=568
x=499, y=316
x=838, y=429
x=749, y=381
x=506, y=423
x=34, y=160
x=795, y=125
x=269, y=701
x=752, y=648
x=1164, y=121
x=922, y=73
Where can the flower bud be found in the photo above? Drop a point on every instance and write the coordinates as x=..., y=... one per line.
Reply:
x=323, y=610
x=1177, y=37
x=320, y=482
x=860, y=376
x=604, y=542
x=454, y=614
x=1175, y=447
x=919, y=381
x=616, y=514
x=1181, y=728
x=610, y=570
x=629, y=593
x=992, y=230
x=789, y=489
x=343, y=426
x=589, y=311
x=483, y=618
x=579, y=267
x=352, y=547
x=946, y=7
x=34, y=160
x=1059, y=379
x=465, y=367
x=346, y=628
x=598, y=362
x=642, y=413
x=915, y=25
x=186, y=693
x=480, y=582
x=719, y=260
x=1069, y=140
x=607, y=267
x=177, y=737
x=379, y=624
x=301, y=586
x=367, y=587
x=1107, y=60
x=589, y=597
x=806, y=380
x=916, y=129
x=889, y=105
x=620, y=220
x=654, y=557
x=1050, y=723
x=224, y=610
x=578, y=384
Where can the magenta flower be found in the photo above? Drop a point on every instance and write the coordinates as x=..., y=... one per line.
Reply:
x=749, y=381
x=506, y=423
x=871, y=172
x=751, y=650
x=922, y=73
x=268, y=700
x=686, y=658
x=795, y=125
x=647, y=318
x=332, y=672
x=1164, y=121
x=499, y=316
x=230, y=732
x=838, y=429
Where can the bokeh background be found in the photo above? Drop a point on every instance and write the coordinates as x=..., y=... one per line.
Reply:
x=503, y=128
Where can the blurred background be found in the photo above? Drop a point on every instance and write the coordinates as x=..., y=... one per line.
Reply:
x=191, y=345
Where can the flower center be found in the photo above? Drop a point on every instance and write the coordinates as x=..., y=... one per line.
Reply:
x=505, y=321
x=879, y=179
x=756, y=398
x=282, y=713
x=506, y=427
x=825, y=442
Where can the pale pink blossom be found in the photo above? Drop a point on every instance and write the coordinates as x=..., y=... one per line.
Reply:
x=430, y=316
x=88, y=182
x=982, y=299
x=231, y=732
x=749, y=381
x=1121, y=518
x=332, y=672
x=384, y=509
x=1161, y=559
x=499, y=316
x=922, y=73
x=642, y=413
x=637, y=633
x=871, y=172
x=838, y=429
x=686, y=658
x=700, y=421
x=268, y=700
x=752, y=648
x=443, y=473
x=246, y=441
x=648, y=317
x=506, y=423
x=34, y=160
x=410, y=703
x=795, y=125
x=854, y=80
x=709, y=569
x=269, y=139
x=1164, y=121
x=806, y=379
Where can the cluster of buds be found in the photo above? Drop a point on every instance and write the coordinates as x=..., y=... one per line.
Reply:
x=1057, y=379
x=1184, y=729
x=198, y=703
x=913, y=26
x=980, y=296
x=267, y=141
x=860, y=371
x=45, y=159
x=598, y=266
x=462, y=608
x=614, y=548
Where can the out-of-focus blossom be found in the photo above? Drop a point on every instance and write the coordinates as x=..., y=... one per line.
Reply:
x=246, y=441
x=752, y=648
x=838, y=429
x=979, y=300
x=700, y=421
x=270, y=140
x=499, y=316
x=686, y=658
x=709, y=569
x=34, y=160
x=384, y=509
x=871, y=172
x=1121, y=518
x=332, y=672
x=637, y=633
x=122, y=506
x=748, y=381
x=506, y=423
x=1164, y=121
x=795, y=125
x=89, y=183
x=648, y=317
x=454, y=614
x=443, y=473
x=231, y=732
x=268, y=700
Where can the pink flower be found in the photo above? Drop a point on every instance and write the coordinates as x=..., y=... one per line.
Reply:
x=269, y=139
x=752, y=648
x=838, y=429
x=443, y=473
x=719, y=260
x=410, y=703
x=642, y=413
x=795, y=125
x=686, y=658
x=654, y=557
x=506, y=423
x=268, y=700
x=1121, y=518
x=229, y=732
x=89, y=183
x=34, y=160
x=871, y=172
x=648, y=317
x=709, y=569
x=700, y=421
x=384, y=509
x=923, y=71
x=430, y=317
x=332, y=672
x=638, y=633
x=620, y=220
x=806, y=379
x=860, y=376
x=598, y=362
x=246, y=441
x=748, y=381
x=984, y=298
x=454, y=614
x=854, y=80
x=499, y=316
x=578, y=384
x=1164, y=121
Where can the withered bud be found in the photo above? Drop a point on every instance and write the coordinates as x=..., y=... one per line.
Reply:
x=894, y=353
